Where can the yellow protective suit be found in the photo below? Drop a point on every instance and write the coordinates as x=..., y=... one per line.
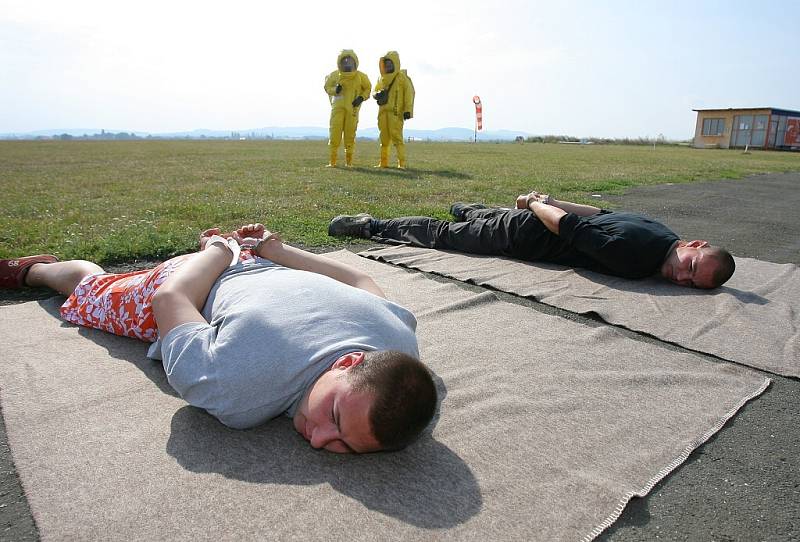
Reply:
x=344, y=115
x=399, y=107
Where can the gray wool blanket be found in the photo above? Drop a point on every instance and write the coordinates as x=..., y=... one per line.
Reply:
x=752, y=319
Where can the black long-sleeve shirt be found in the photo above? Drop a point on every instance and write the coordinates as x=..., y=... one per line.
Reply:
x=627, y=245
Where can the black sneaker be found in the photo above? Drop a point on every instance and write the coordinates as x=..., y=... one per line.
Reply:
x=353, y=226
x=459, y=210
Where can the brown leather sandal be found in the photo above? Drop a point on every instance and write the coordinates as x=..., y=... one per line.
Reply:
x=12, y=272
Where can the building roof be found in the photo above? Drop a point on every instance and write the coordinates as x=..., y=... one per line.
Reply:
x=775, y=110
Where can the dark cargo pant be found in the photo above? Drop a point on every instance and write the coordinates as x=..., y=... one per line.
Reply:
x=516, y=233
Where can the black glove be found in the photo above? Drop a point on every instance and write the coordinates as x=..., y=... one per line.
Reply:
x=358, y=101
x=382, y=97
x=338, y=88
x=406, y=115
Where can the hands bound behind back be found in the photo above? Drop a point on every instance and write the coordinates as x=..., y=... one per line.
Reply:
x=247, y=235
x=252, y=234
x=524, y=200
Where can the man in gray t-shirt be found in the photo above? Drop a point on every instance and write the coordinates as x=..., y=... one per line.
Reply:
x=296, y=333
x=270, y=332
x=251, y=334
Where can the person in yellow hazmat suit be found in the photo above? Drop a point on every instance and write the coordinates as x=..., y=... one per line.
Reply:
x=347, y=88
x=395, y=97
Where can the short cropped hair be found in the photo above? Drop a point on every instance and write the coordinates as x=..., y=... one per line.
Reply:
x=725, y=265
x=404, y=396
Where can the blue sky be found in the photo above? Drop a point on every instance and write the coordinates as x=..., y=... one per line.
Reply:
x=581, y=68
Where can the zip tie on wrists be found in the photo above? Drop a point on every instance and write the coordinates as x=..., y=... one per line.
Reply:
x=231, y=243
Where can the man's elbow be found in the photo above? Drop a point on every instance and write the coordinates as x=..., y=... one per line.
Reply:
x=363, y=281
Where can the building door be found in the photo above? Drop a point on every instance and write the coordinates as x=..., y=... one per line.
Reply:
x=742, y=127
x=758, y=136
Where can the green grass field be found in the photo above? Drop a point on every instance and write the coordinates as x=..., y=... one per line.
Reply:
x=119, y=201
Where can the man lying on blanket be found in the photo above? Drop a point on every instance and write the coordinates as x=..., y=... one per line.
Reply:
x=542, y=228
x=249, y=328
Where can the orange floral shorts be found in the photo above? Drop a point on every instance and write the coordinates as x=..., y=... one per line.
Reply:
x=122, y=303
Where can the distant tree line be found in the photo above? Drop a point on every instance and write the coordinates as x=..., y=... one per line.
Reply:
x=661, y=140
x=103, y=135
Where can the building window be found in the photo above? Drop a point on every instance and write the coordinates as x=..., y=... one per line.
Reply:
x=713, y=127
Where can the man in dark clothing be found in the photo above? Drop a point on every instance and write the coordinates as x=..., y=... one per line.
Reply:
x=544, y=229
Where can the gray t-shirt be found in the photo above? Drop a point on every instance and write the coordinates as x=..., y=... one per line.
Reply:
x=272, y=332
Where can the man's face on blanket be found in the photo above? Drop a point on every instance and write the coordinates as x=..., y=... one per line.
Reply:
x=333, y=416
x=688, y=265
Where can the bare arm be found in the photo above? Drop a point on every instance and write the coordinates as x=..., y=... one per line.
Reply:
x=182, y=296
x=550, y=210
x=549, y=215
x=295, y=258
x=273, y=249
x=574, y=208
x=524, y=201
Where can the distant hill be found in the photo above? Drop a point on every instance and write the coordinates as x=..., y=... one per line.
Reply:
x=75, y=132
x=271, y=132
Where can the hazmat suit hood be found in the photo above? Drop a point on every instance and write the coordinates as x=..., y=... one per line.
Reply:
x=395, y=58
x=344, y=53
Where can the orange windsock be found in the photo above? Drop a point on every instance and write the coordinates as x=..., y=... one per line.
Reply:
x=478, y=112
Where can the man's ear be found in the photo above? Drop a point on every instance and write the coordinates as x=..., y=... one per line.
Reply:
x=348, y=360
x=697, y=243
